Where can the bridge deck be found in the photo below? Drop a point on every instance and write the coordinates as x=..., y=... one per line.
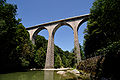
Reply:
x=62, y=20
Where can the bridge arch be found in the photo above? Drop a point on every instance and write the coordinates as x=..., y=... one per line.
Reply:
x=83, y=21
x=36, y=33
x=60, y=25
x=73, y=22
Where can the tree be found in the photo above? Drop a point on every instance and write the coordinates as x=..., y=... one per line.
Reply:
x=2, y=2
x=8, y=28
x=40, y=57
x=16, y=50
x=102, y=37
x=25, y=49
x=40, y=41
x=103, y=27
x=58, y=62
x=107, y=66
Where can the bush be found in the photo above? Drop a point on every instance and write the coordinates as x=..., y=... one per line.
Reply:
x=109, y=67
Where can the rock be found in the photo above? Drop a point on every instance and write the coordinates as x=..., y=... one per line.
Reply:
x=74, y=71
x=61, y=72
x=33, y=69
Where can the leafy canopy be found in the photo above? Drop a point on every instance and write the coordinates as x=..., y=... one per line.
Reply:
x=103, y=27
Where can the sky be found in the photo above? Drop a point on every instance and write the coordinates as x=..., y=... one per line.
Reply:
x=35, y=12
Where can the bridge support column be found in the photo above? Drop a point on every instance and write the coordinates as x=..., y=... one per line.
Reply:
x=76, y=46
x=49, y=63
x=76, y=41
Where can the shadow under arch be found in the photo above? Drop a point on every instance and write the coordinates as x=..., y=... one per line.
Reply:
x=37, y=31
x=84, y=20
x=60, y=25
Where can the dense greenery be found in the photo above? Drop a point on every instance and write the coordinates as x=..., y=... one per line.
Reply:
x=102, y=37
x=14, y=39
x=108, y=65
x=16, y=50
x=103, y=26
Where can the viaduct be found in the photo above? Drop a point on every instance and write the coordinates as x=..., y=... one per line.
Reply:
x=73, y=22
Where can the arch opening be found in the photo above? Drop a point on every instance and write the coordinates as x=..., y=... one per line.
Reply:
x=62, y=37
x=60, y=25
x=41, y=38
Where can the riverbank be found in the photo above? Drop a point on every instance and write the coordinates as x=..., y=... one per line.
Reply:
x=58, y=69
x=74, y=74
x=54, y=69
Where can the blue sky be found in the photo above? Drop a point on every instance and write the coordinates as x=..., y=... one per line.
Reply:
x=34, y=12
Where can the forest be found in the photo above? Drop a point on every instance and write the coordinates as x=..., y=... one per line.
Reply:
x=17, y=51
x=102, y=38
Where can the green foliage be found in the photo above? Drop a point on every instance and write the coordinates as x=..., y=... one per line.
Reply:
x=40, y=41
x=102, y=37
x=40, y=57
x=103, y=26
x=82, y=52
x=24, y=62
x=110, y=49
x=16, y=50
x=8, y=28
x=58, y=62
x=58, y=52
x=108, y=66
x=68, y=59
x=2, y=2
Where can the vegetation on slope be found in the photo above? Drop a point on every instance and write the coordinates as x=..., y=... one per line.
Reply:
x=16, y=50
x=103, y=27
x=102, y=37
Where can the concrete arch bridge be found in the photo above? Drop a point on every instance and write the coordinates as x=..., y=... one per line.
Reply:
x=73, y=22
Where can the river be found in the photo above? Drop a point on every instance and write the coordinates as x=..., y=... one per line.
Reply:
x=35, y=75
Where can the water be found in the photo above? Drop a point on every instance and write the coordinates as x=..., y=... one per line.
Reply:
x=34, y=75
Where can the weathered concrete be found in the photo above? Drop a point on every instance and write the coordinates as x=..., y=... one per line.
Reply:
x=50, y=49
x=52, y=27
x=76, y=41
x=31, y=33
